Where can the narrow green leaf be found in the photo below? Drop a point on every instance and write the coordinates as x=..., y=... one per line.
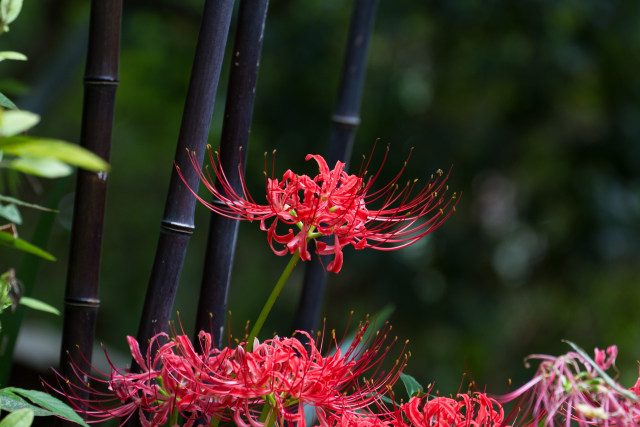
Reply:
x=20, y=418
x=6, y=102
x=72, y=154
x=16, y=121
x=10, y=54
x=411, y=385
x=626, y=393
x=15, y=242
x=8, y=199
x=11, y=402
x=11, y=213
x=35, y=304
x=49, y=402
x=44, y=167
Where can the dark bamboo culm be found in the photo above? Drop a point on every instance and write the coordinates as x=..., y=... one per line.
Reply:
x=178, y=220
x=344, y=123
x=234, y=142
x=81, y=299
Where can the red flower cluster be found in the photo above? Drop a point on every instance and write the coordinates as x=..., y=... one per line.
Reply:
x=333, y=203
x=276, y=380
x=465, y=410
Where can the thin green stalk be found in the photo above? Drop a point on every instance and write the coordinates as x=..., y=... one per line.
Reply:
x=267, y=416
x=173, y=418
x=271, y=300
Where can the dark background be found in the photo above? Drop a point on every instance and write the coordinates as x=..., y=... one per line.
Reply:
x=534, y=103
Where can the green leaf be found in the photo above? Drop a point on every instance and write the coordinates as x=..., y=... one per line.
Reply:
x=72, y=154
x=10, y=403
x=11, y=213
x=6, y=102
x=16, y=121
x=35, y=304
x=10, y=10
x=20, y=418
x=19, y=202
x=10, y=54
x=44, y=167
x=412, y=386
x=49, y=402
x=15, y=242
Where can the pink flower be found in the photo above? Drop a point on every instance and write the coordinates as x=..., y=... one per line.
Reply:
x=333, y=203
x=573, y=388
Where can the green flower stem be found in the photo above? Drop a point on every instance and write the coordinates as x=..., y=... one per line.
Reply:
x=173, y=418
x=267, y=417
x=257, y=326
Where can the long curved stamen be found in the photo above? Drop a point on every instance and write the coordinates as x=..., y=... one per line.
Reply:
x=333, y=203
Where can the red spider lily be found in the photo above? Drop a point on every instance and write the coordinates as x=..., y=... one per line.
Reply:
x=465, y=410
x=163, y=387
x=333, y=203
x=290, y=375
x=573, y=388
x=348, y=419
x=234, y=384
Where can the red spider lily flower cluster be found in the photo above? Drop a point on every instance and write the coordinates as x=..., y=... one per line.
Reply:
x=278, y=379
x=465, y=410
x=573, y=388
x=335, y=204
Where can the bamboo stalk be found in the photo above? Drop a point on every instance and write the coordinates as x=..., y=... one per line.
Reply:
x=81, y=299
x=234, y=142
x=178, y=220
x=344, y=123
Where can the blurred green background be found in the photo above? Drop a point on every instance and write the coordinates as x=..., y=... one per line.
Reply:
x=535, y=103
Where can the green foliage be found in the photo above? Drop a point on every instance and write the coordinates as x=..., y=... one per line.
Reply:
x=36, y=156
x=13, y=241
x=11, y=295
x=41, y=404
x=9, y=54
x=411, y=385
x=48, y=157
x=6, y=102
x=15, y=121
x=35, y=304
x=20, y=418
x=9, y=11
x=11, y=213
